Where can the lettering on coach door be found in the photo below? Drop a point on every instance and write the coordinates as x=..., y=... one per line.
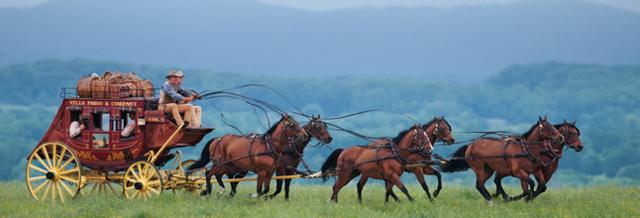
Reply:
x=103, y=103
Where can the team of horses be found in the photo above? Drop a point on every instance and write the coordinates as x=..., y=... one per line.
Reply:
x=280, y=150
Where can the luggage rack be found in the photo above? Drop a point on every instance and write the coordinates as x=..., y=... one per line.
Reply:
x=71, y=92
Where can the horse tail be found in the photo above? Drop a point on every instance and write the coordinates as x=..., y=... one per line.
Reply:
x=330, y=164
x=458, y=163
x=205, y=157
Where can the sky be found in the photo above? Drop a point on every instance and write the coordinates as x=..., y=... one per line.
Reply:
x=631, y=5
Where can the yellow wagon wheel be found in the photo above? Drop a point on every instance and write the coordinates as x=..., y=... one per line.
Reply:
x=53, y=173
x=142, y=181
x=195, y=175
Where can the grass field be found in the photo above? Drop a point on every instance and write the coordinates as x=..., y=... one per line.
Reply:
x=311, y=201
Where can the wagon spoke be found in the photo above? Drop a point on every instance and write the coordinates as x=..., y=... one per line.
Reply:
x=60, y=192
x=53, y=192
x=47, y=157
x=135, y=193
x=69, y=179
x=139, y=170
x=37, y=168
x=37, y=189
x=37, y=178
x=133, y=171
x=66, y=188
x=41, y=161
x=46, y=191
x=65, y=163
x=111, y=187
x=64, y=150
x=154, y=190
x=54, y=157
x=75, y=169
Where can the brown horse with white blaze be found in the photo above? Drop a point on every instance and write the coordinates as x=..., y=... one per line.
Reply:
x=258, y=153
x=518, y=157
x=385, y=162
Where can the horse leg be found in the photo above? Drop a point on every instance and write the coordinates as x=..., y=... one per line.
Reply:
x=389, y=192
x=220, y=183
x=396, y=181
x=208, y=184
x=524, y=183
x=542, y=187
x=420, y=176
x=481, y=177
x=499, y=190
x=234, y=185
x=259, y=182
x=361, y=183
x=287, y=183
x=439, y=176
x=278, y=186
x=344, y=177
x=267, y=181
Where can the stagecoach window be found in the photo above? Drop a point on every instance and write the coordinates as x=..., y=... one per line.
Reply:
x=128, y=122
x=101, y=121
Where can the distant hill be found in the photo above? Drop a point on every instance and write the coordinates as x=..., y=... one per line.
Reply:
x=462, y=44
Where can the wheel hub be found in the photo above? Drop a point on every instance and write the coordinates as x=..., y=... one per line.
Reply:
x=51, y=175
x=138, y=186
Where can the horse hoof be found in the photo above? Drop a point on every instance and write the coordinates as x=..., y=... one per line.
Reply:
x=254, y=195
x=435, y=193
x=490, y=203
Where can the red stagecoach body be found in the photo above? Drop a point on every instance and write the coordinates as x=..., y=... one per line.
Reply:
x=100, y=146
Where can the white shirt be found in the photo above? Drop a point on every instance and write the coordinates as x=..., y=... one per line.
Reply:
x=128, y=130
x=74, y=129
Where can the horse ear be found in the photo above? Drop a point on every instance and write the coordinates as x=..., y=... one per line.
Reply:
x=545, y=118
x=574, y=122
x=539, y=118
x=318, y=116
x=564, y=121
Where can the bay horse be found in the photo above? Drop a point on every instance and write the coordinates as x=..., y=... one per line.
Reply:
x=571, y=135
x=292, y=156
x=385, y=162
x=242, y=153
x=438, y=129
x=515, y=156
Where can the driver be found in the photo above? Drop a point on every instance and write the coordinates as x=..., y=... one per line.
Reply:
x=175, y=100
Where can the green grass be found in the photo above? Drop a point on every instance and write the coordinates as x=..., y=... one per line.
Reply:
x=311, y=201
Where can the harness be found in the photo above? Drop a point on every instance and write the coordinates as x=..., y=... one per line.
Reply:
x=396, y=153
x=545, y=150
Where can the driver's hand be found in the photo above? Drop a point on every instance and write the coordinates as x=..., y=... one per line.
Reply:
x=188, y=99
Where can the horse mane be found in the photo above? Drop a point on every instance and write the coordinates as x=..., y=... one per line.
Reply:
x=528, y=132
x=436, y=119
x=558, y=126
x=401, y=135
x=273, y=127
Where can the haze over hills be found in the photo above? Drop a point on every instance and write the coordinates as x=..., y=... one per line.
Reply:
x=455, y=44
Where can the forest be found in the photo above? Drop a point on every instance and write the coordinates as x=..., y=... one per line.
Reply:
x=604, y=100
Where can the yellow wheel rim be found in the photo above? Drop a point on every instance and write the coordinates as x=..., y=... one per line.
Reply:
x=194, y=176
x=53, y=173
x=142, y=181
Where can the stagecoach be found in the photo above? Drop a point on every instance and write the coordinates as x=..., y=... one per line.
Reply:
x=100, y=159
